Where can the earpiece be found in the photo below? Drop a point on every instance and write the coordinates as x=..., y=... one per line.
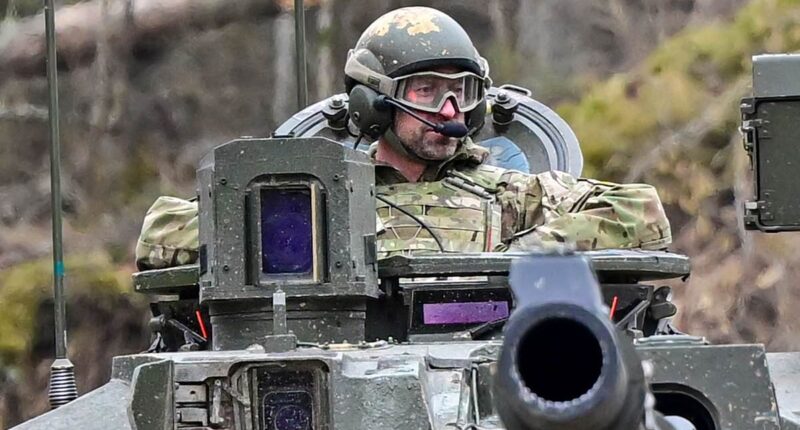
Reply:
x=368, y=112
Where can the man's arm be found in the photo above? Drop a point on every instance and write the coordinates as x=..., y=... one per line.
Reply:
x=555, y=208
x=169, y=234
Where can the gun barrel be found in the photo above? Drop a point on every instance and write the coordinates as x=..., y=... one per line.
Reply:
x=560, y=360
x=563, y=364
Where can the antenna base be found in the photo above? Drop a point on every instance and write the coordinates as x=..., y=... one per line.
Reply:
x=62, y=383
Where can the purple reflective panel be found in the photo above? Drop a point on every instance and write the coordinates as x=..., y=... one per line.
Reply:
x=286, y=244
x=463, y=313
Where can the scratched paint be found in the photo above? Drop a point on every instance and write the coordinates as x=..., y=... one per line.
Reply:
x=415, y=21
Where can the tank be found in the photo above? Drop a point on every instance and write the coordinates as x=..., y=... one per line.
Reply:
x=290, y=321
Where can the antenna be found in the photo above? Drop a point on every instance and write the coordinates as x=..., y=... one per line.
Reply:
x=300, y=53
x=62, y=373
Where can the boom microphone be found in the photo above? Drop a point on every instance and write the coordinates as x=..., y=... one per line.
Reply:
x=449, y=128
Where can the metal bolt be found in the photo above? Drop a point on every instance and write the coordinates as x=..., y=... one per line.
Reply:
x=223, y=181
x=338, y=264
x=502, y=96
x=336, y=177
x=226, y=268
x=336, y=102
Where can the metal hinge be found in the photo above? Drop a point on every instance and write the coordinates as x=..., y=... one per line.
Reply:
x=750, y=126
x=756, y=211
x=748, y=130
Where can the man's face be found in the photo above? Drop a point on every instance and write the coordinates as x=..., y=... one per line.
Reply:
x=417, y=137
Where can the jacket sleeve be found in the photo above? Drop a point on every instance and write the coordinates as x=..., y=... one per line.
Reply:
x=169, y=234
x=555, y=208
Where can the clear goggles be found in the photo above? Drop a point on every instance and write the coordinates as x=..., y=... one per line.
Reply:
x=428, y=91
x=425, y=91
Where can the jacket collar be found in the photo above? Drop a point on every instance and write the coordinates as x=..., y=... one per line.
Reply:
x=468, y=154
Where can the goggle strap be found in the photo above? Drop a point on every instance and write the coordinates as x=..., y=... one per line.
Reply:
x=381, y=83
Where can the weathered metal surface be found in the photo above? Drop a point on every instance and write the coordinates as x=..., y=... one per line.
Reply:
x=776, y=75
x=770, y=131
x=153, y=396
x=636, y=264
x=346, y=178
x=732, y=381
x=173, y=280
x=784, y=368
x=771, y=141
x=102, y=409
x=122, y=366
x=430, y=385
x=234, y=282
x=644, y=265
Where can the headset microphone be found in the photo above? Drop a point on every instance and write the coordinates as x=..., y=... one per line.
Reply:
x=449, y=128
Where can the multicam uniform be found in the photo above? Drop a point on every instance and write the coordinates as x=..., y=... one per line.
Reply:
x=472, y=206
x=469, y=206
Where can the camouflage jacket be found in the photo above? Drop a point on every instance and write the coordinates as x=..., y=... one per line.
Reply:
x=463, y=204
x=472, y=206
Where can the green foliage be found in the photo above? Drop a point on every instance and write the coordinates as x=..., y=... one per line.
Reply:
x=672, y=122
x=622, y=119
x=24, y=287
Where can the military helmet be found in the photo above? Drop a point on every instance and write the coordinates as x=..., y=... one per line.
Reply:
x=404, y=46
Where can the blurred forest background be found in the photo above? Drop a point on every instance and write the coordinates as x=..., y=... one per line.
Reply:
x=651, y=87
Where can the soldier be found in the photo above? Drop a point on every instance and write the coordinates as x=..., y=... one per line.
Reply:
x=434, y=192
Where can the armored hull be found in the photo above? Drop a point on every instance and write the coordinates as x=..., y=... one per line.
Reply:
x=417, y=386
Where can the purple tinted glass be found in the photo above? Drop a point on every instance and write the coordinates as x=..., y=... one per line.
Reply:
x=464, y=312
x=286, y=243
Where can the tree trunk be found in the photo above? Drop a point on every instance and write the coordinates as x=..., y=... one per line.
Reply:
x=79, y=27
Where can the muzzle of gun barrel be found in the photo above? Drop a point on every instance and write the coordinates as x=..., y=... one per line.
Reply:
x=563, y=364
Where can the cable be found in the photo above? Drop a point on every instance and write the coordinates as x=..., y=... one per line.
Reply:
x=360, y=136
x=414, y=217
x=478, y=331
